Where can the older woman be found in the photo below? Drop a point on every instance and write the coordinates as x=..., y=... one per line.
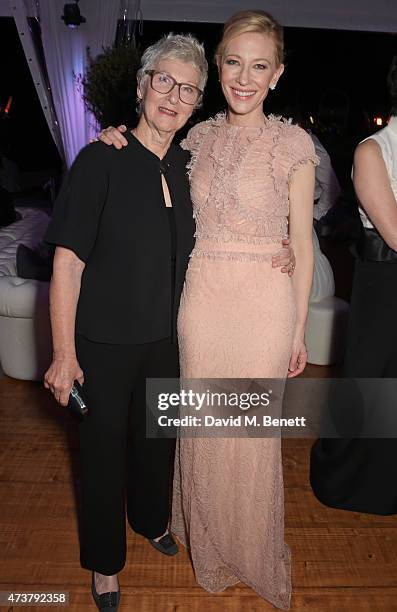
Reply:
x=252, y=178
x=123, y=228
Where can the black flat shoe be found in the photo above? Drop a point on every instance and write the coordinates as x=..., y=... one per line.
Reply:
x=107, y=602
x=166, y=545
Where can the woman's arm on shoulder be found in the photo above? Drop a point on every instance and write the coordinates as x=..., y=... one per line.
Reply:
x=373, y=189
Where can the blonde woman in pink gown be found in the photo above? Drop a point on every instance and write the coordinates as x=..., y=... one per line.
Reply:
x=252, y=183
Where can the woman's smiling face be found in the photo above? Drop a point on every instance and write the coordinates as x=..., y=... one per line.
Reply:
x=246, y=71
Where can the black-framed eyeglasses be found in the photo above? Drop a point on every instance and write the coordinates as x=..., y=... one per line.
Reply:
x=164, y=83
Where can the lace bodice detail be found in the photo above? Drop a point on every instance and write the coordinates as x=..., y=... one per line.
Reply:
x=240, y=177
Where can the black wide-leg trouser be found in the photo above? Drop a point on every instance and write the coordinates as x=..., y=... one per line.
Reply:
x=360, y=474
x=118, y=463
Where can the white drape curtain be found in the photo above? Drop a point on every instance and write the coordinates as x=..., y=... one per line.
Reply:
x=32, y=7
x=65, y=51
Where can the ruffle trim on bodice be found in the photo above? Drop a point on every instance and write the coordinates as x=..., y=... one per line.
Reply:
x=227, y=147
x=223, y=192
x=299, y=163
x=193, y=142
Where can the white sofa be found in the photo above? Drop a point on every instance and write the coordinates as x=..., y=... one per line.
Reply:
x=25, y=334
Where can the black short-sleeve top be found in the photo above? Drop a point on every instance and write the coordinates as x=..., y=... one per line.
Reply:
x=111, y=213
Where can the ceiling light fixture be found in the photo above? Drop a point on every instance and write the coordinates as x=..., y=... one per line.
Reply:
x=72, y=16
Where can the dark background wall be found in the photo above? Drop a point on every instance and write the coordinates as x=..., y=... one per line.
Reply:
x=324, y=68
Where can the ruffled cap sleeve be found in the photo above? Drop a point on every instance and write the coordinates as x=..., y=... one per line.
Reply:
x=194, y=138
x=301, y=149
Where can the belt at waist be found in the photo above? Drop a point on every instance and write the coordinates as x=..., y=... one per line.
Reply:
x=235, y=250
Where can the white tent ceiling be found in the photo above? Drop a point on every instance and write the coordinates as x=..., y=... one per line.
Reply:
x=369, y=15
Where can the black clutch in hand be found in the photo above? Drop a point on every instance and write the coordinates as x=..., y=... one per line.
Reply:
x=77, y=403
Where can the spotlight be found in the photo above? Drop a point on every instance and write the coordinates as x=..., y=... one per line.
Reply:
x=72, y=16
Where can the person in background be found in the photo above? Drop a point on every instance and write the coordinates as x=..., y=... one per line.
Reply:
x=326, y=187
x=326, y=192
x=361, y=474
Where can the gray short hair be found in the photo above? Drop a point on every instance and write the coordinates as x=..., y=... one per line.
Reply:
x=183, y=47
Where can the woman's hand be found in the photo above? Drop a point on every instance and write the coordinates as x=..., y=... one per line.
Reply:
x=60, y=377
x=114, y=136
x=64, y=295
x=285, y=258
x=298, y=360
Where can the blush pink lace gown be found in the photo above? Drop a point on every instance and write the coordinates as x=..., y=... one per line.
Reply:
x=236, y=320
